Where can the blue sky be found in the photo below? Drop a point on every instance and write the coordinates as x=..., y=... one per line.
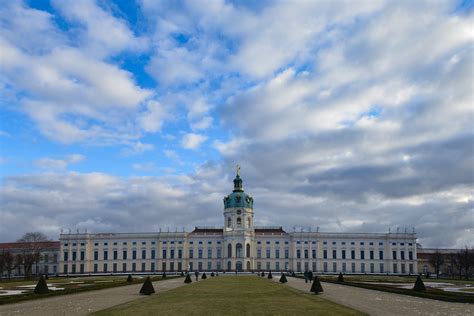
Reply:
x=131, y=115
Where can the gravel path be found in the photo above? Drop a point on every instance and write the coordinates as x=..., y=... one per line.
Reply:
x=383, y=303
x=84, y=303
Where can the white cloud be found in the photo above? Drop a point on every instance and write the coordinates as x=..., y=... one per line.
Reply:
x=204, y=123
x=152, y=120
x=138, y=148
x=59, y=164
x=192, y=140
x=146, y=166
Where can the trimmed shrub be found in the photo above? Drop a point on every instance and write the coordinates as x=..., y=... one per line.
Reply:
x=270, y=276
x=188, y=279
x=212, y=274
x=46, y=277
x=163, y=275
x=316, y=287
x=283, y=278
x=41, y=286
x=340, y=278
x=419, y=285
x=204, y=276
x=147, y=287
x=182, y=274
x=129, y=278
x=263, y=273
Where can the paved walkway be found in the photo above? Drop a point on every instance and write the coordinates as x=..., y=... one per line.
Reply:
x=85, y=303
x=383, y=303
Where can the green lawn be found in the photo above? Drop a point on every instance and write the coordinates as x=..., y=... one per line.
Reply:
x=232, y=296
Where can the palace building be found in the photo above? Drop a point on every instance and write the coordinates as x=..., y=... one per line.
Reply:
x=238, y=246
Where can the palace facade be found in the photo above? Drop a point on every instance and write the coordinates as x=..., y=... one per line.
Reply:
x=238, y=246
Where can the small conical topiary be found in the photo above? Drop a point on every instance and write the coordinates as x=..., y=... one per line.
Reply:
x=283, y=278
x=316, y=287
x=270, y=276
x=340, y=278
x=163, y=276
x=419, y=285
x=129, y=278
x=204, y=276
x=188, y=279
x=293, y=274
x=212, y=274
x=263, y=273
x=147, y=287
x=41, y=287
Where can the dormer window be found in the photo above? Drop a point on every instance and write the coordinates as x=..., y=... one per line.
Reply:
x=239, y=222
x=239, y=212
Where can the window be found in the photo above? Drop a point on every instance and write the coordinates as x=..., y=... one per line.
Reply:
x=259, y=253
x=143, y=267
x=287, y=253
x=124, y=255
x=361, y=243
x=248, y=250
x=219, y=254
x=74, y=256
x=277, y=253
x=362, y=254
x=371, y=254
x=96, y=255
x=268, y=243
x=96, y=244
x=152, y=267
x=403, y=268
x=306, y=253
x=380, y=243
x=402, y=255
x=395, y=270
x=164, y=253
x=371, y=243
x=191, y=253
x=334, y=254
x=143, y=242
x=124, y=267
x=209, y=253
x=229, y=222
x=334, y=243
x=65, y=256
x=172, y=253
x=394, y=255
x=83, y=255
x=115, y=255
x=248, y=222
x=180, y=253
x=372, y=268
x=325, y=242
x=239, y=251
x=134, y=266
x=105, y=267
x=143, y=254
x=362, y=267
x=106, y=255
x=325, y=266
x=411, y=268
x=381, y=254
x=153, y=253
x=353, y=254
x=209, y=265
x=352, y=243
x=343, y=254
x=343, y=267
x=334, y=267
x=298, y=253
x=239, y=222
x=268, y=252
x=200, y=253
x=410, y=255
x=313, y=253
x=277, y=266
x=353, y=267
x=325, y=254
x=229, y=250
x=96, y=268
x=106, y=243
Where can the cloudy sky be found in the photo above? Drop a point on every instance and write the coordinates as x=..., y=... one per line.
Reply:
x=351, y=116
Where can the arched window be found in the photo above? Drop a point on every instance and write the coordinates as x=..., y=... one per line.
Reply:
x=229, y=251
x=229, y=266
x=229, y=222
x=248, y=265
x=238, y=250
x=248, y=251
x=248, y=221
x=239, y=222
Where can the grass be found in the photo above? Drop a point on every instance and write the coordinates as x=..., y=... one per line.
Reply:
x=431, y=293
x=247, y=295
x=68, y=288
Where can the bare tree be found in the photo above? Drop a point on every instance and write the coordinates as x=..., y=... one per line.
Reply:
x=437, y=260
x=31, y=246
x=2, y=264
x=9, y=260
x=466, y=258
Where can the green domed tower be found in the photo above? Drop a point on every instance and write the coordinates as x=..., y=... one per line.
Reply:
x=238, y=227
